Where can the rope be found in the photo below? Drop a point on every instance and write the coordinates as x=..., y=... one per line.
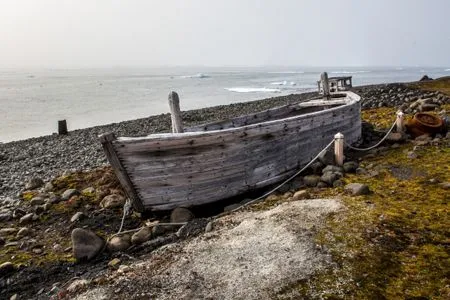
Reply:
x=283, y=183
x=374, y=146
x=126, y=211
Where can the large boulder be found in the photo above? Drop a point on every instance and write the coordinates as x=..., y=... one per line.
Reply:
x=86, y=244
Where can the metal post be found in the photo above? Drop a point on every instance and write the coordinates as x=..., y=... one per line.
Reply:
x=339, y=149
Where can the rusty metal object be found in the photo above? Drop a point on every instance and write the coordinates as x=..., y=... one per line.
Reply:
x=424, y=123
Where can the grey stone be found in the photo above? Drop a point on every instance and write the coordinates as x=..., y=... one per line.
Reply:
x=209, y=226
x=5, y=216
x=350, y=166
x=316, y=167
x=37, y=200
x=332, y=168
x=48, y=187
x=361, y=171
x=119, y=243
x=311, y=180
x=8, y=231
x=143, y=235
x=27, y=218
x=69, y=194
x=338, y=183
x=23, y=232
x=395, y=137
x=88, y=191
x=411, y=155
x=113, y=201
x=330, y=177
x=34, y=183
x=180, y=215
x=357, y=189
x=303, y=194
x=77, y=217
x=231, y=207
x=322, y=185
x=53, y=199
x=86, y=244
x=326, y=157
x=6, y=268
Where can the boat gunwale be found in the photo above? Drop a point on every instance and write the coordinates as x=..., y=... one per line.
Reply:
x=349, y=99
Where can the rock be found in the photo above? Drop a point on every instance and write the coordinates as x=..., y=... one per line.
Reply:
x=2, y=241
x=425, y=78
x=23, y=232
x=114, y=263
x=6, y=268
x=209, y=226
x=357, y=189
x=303, y=194
x=34, y=183
x=143, y=235
x=77, y=216
x=89, y=191
x=311, y=180
x=428, y=107
x=326, y=157
x=332, y=168
x=230, y=207
x=316, y=167
x=48, y=187
x=113, y=201
x=119, y=243
x=28, y=218
x=69, y=194
x=423, y=137
x=338, y=183
x=445, y=185
x=395, y=137
x=37, y=200
x=411, y=155
x=181, y=215
x=350, y=166
x=77, y=285
x=86, y=244
x=159, y=230
x=8, y=231
x=53, y=199
x=322, y=185
x=330, y=177
x=14, y=297
x=5, y=216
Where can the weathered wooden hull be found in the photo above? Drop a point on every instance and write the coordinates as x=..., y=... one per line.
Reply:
x=207, y=164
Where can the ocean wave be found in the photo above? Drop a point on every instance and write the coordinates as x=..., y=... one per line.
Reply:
x=349, y=72
x=252, y=90
x=199, y=75
x=279, y=83
x=447, y=70
x=286, y=72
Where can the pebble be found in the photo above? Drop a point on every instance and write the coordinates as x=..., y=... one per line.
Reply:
x=357, y=189
x=209, y=226
x=8, y=231
x=37, y=201
x=143, y=235
x=69, y=194
x=28, y=218
x=34, y=183
x=303, y=194
x=77, y=217
x=24, y=231
x=114, y=263
x=119, y=243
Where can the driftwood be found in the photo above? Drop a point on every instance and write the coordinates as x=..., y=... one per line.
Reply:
x=203, y=165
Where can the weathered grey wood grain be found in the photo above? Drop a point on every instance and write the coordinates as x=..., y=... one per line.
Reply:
x=175, y=112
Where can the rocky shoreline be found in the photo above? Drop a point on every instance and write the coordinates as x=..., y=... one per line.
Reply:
x=36, y=202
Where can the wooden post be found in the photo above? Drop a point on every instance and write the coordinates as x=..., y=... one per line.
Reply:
x=62, y=127
x=175, y=113
x=400, y=125
x=339, y=149
x=325, y=84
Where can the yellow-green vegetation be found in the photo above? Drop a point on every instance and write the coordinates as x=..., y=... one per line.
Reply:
x=381, y=118
x=439, y=84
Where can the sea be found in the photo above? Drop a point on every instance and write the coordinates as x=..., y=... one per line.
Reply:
x=33, y=100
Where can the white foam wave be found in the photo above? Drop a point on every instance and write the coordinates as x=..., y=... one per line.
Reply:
x=447, y=70
x=252, y=90
x=286, y=72
x=349, y=72
x=199, y=75
x=279, y=83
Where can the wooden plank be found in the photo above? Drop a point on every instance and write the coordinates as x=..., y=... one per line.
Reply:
x=106, y=141
x=175, y=112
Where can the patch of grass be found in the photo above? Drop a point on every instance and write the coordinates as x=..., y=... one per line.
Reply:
x=440, y=84
x=381, y=118
x=393, y=243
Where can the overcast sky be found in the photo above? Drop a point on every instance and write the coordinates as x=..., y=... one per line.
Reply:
x=106, y=33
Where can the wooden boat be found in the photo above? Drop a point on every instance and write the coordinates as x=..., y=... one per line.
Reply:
x=215, y=161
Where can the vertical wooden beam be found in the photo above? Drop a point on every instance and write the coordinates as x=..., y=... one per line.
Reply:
x=62, y=127
x=325, y=84
x=108, y=147
x=175, y=112
x=400, y=125
x=339, y=149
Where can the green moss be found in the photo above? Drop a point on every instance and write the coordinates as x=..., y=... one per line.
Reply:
x=28, y=195
x=393, y=243
x=439, y=84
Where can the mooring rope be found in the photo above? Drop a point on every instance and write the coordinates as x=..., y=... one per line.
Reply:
x=374, y=146
x=281, y=184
